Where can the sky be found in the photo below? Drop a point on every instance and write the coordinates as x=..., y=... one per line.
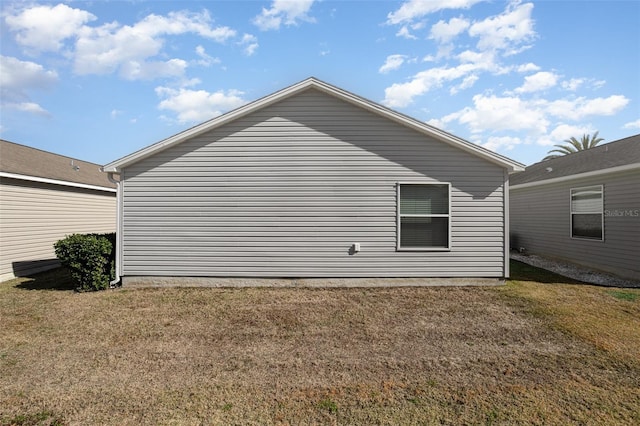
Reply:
x=97, y=80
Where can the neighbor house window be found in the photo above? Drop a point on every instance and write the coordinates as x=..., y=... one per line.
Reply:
x=423, y=216
x=586, y=213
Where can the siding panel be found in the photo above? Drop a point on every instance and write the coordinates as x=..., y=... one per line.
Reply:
x=33, y=216
x=540, y=222
x=285, y=191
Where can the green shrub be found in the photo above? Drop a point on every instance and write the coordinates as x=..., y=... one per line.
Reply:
x=90, y=258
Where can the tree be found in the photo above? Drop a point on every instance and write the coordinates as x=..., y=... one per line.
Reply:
x=574, y=145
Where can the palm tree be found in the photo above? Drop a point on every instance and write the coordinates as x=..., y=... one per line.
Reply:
x=574, y=145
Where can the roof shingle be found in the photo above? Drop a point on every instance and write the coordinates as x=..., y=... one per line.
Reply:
x=27, y=161
x=613, y=154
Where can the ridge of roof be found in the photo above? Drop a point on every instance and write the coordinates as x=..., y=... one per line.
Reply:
x=25, y=162
x=615, y=154
x=313, y=83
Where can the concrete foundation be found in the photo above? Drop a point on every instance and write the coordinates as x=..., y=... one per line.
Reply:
x=144, y=282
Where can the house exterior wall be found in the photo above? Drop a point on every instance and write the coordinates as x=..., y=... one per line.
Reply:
x=285, y=192
x=540, y=222
x=33, y=216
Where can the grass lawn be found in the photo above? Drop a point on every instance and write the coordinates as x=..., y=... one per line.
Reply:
x=539, y=350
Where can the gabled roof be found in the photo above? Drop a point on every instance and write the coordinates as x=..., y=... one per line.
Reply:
x=313, y=83
x=26, y=163
x=618, y=155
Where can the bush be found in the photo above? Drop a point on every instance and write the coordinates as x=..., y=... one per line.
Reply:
x=90, y=258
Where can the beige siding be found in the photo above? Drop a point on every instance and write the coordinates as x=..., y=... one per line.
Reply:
x=285, y=191
x=540, y=222
x=33, y=216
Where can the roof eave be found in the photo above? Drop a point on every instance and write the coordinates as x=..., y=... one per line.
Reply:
x=55, y=182
x=593, y=173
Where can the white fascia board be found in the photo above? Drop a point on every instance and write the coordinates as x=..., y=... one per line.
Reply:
x=625, y=168
x=56, y=182
x=312, y=82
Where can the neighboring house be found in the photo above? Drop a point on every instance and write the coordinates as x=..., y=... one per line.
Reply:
x=313, y=181
x=43, y=198
x=582, y=207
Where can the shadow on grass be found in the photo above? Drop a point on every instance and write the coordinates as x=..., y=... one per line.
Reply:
x=523, y=272
x=55, y=279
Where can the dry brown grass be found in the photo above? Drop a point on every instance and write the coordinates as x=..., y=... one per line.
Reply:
x=608, y=318
x=504, y=355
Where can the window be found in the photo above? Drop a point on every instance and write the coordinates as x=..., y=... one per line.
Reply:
x=586, y=213
x=423, y=216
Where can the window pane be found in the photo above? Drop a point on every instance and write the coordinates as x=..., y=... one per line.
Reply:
x=424, y=199
x=587, y=226
x=586, y=200
x=424, y=232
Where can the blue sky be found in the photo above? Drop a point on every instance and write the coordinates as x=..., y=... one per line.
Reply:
x=97, y=80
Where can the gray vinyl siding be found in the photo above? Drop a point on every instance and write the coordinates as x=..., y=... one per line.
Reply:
x=285, y=192
x=540, y=222
x=33, y=216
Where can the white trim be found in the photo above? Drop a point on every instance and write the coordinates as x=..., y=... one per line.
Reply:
x=511, y=165
x=448, y=216
x=601, y=212
x=507, y=237
x=118, y=260
x=593, y=173
x=56, y=182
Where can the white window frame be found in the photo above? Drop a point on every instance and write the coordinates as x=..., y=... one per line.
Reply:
x=399, y=216
x=601, y=212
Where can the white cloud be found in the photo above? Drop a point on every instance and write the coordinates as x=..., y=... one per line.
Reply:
x=576, y=83
x=508, y=32
x=404, y=32
x=502, y=35
x=529, y=67
x=493, y=113
x=602, y=106
x=30, y=107
x=573, y=84
x=467, y=82
x=176, y=23
x=287, y=12
x=416, y=9
x=393, y=62
x=44, y=28
x=135, y=51
x=192, y=106
x=128, y=49
x=562, y=132
x=632, y=124
x=249, y=43
x=401, y=94
x=18, y=78
x=506, y=143
x=205, y=60
x=135, y=70
x=444, y=32
x=519, y=114
x=579, y=108
x=539, y=81
x=20, y=75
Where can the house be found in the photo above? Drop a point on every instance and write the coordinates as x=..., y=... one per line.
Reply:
x=582, y=208
x=43, y=198
x=312, y=181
